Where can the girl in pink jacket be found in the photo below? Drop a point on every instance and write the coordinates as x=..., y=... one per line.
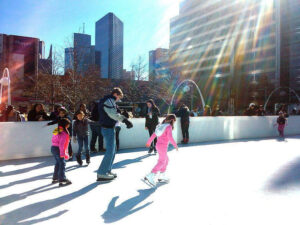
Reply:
x=59, y=149
x=163, y=132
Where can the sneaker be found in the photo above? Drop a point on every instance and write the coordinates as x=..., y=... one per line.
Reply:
x=163, y=178
x=54, y=181
x=64, y=183
x=104, y=177
x=79, y=160
x=150, y=178
x=114, y=174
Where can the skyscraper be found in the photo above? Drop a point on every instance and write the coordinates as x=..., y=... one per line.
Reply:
x=236, y=49
x=109, y=46
x=82, y=52
x=69, y=59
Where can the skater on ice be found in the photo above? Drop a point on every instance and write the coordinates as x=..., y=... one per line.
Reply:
x=163, y=133
x=81, y=135
x=109, y=115
x=281, y=122
x=59, y=149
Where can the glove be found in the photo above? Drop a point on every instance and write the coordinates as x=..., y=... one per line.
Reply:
x=128, y=123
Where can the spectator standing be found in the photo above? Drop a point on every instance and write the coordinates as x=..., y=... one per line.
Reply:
x=151, y=122
x=12, y=115
x=96, y=129
x=108, y=117
x=2, y=111
x=216, y=111
x=55, y=113
x=207, y=111
x=261, y=111
x=184, y=114
x=37, y=113
x=250, y=111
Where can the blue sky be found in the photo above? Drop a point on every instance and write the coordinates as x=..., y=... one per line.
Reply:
x=146, y=22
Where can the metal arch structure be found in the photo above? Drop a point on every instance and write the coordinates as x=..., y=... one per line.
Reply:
x=5, y=81
x=199, y=91
x=276, y=89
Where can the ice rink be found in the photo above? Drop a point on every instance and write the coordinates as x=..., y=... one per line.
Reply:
x=245, y=182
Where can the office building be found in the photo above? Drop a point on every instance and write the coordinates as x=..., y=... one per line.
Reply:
x=109, y=46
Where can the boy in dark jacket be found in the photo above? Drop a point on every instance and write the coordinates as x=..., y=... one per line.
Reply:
x=151, y=122
x=81, y=134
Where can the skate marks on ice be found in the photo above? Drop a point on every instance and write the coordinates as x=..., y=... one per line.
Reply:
x=286, y=178
x=17, y=216
x=115, y=213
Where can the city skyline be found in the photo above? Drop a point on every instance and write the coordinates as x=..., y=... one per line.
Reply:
x=53, y=22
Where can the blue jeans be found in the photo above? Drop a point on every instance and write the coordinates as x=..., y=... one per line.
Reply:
x=108, y=159
x=60, y=165
x=83, y=141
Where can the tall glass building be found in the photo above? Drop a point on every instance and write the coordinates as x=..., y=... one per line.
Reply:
x=82, y=52
x=109, y=46
x=234, y=49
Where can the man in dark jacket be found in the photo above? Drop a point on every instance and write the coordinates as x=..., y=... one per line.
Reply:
x=96, y=129
x=108, y=117
x=184, y=114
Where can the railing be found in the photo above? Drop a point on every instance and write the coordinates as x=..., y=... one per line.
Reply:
x=32, y=139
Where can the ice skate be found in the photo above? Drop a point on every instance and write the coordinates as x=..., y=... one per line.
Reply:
x=150, y=179
x=163, y=178
x=88, y=159
x=79, y=160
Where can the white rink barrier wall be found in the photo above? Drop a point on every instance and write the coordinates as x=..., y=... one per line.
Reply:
x=33, y=139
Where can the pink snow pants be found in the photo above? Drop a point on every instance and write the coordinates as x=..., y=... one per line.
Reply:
x=163, y=159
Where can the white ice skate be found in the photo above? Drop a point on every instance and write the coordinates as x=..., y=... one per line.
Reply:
x=150, y=179
x=162, y=178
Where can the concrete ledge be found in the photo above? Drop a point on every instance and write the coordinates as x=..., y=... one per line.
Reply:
x=32, y=139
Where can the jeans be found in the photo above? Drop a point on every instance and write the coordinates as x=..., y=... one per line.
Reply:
x=83, y=141
x=185, y=130
x=108, y=159
x=60, y=165
x=118, y=129
x=96, y=133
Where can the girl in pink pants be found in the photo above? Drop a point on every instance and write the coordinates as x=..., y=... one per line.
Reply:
x=163, y=132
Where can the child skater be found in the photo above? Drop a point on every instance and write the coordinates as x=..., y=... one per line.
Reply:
x=81, y=134
x=163, y=132
x=59, y=149
x=281, y=122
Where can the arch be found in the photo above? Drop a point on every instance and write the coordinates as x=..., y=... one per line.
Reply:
x=276, y=89
x=183, y=82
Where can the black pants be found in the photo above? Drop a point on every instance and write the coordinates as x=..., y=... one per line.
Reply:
x=185, y=130
x=96, y=133
x=151, y=130
x=118, y=129
x=70, y=150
